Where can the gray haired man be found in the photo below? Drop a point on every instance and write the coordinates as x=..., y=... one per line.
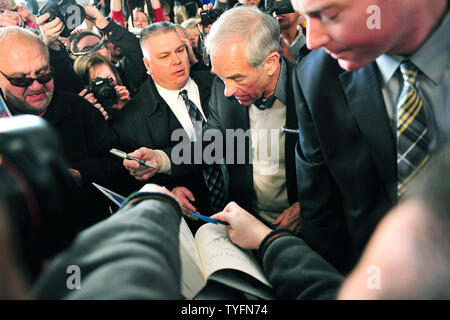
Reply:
x=253, y=91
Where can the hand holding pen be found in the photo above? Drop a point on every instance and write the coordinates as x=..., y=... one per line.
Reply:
x=143, y=163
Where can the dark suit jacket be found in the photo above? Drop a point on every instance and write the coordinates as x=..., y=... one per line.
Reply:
x=131, y=255
x=227, y=113
x=147, y=121
x=346, y=158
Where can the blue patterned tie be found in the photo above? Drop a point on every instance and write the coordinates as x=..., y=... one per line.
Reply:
x=212, y=173
x=412, y=137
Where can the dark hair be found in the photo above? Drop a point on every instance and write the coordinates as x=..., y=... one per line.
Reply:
x=157, y=28
x=77, y=38
x=38, y=192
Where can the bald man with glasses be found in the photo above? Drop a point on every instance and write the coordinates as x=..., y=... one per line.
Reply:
x=26, y=82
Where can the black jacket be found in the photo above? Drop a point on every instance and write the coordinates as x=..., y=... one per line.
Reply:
x=346, y=159
x=86, y=139
x=131, y=68
x=227, y=113
x=147, y=121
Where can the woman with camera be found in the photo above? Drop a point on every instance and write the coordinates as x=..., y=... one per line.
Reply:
x=103, y=86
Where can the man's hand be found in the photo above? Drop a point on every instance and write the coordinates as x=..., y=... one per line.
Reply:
x=192, y=58
x=94, y=15
x=92, y=100
x=151, y=187
x=244, y=229
x=290, y=218
x=139, y=171
x=10, y=18
x=284, y=50
x=206, y=29
x=185, y=196
x=50, y=30
x=76, y=174
x=25, y=13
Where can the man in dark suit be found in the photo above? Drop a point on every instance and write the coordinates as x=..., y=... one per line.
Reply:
x=27, y=85
x=159, y=110
x=252, y=99
x=356, y=106
x=407, y=257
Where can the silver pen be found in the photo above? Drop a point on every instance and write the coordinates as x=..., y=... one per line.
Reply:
x=284, y=129
x=124, y=155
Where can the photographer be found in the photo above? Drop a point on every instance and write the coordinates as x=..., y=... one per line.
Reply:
x=292, y=42
x=131, y=68
x=108, y=98
x=63, y=74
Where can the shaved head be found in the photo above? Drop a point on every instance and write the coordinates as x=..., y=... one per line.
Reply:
x=24, y=56
x=19, y=36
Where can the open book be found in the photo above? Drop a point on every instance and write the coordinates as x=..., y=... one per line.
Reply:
x=212, y=256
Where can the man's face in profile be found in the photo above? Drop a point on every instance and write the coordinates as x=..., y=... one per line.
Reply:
x=341, y=28
x=242, y=80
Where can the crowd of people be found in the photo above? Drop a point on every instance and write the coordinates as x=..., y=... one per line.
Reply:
x=320, y=140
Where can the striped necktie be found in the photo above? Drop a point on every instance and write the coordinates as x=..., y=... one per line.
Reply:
x=412, y=137
x=212, y=173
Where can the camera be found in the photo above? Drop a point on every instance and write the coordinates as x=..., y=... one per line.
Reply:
x=40, y=197
x=68, y=11
x=210, y=16
x=104, y=92
x=279, y=7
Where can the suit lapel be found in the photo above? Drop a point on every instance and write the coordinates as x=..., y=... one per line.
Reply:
x=160, y=118
x=364, y=96
x=291, y=139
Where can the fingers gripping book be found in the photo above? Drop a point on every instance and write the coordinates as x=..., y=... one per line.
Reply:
x=211, y=255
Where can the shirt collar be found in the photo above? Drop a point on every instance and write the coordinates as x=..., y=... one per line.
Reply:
x=280, y=89
x=173, y=93
x=436, y=49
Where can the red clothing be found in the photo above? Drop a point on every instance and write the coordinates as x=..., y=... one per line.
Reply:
x=118, y=17
x=158, y=15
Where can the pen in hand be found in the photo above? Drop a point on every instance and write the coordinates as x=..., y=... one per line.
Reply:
x=208, y=219
x=123, y=155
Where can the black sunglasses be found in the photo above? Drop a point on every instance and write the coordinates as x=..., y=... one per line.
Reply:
x=24, y=82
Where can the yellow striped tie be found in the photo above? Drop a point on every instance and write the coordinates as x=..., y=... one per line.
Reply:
x=412, y=137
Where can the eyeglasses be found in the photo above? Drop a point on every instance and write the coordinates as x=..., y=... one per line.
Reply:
x=24, y=82
x=90, y=49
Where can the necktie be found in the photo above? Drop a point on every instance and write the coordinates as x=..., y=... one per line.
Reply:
x=212, y=173
x=194, y=112
x=412, y=138
x=262, y=105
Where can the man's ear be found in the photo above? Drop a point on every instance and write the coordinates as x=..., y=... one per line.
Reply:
x=272, y=62
x=147, y=65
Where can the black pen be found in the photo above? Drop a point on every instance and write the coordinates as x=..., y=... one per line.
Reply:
x=284, y=129
x=123, y=155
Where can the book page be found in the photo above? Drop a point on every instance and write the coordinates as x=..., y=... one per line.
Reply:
x=192, y=279
x=218, y=252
